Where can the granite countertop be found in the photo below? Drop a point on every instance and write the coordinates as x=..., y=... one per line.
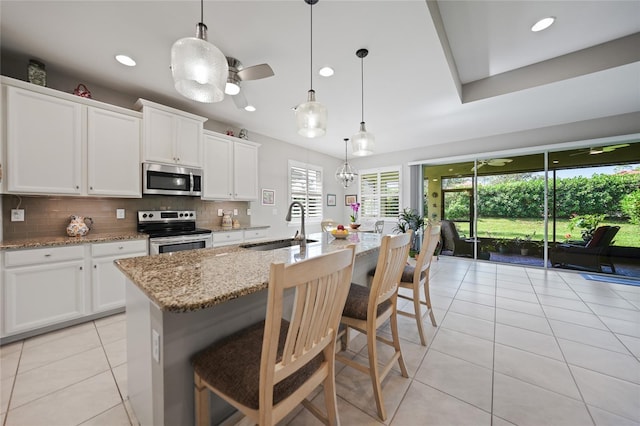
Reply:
x=38, y=242
x=198, y=279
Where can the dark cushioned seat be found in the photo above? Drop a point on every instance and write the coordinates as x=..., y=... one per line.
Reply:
x=407, y=274
x=232, y=365
x=358, y=301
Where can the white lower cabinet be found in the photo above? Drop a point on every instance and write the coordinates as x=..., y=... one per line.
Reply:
x=255, y=234
x=43, y=287
x=107, y=282
x=228, y=237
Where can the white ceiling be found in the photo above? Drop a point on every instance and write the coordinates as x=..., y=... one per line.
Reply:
x=412, y=93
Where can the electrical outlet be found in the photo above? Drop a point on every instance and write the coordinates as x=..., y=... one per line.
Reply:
x=220, y=212
x=155, y=345
x=17, y=215
x=248, y=212
x=119, y=213
x=235, y=212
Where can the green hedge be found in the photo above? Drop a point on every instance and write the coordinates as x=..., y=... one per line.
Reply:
x=600, y=194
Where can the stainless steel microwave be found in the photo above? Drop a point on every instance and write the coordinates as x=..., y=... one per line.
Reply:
x=171, y=180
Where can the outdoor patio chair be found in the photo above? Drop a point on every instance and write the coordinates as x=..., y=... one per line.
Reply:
x=590, y=257
x=452, y=244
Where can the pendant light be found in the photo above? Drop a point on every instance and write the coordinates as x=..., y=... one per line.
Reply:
x=311, y=116
x=198, y=67
x=363, y=142
x=346, y=174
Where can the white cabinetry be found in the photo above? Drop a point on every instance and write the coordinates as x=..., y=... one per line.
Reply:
x=113, y=154
x=230, y=168
x=42, y=287
x=255, y=234
x=47, y=287
x=171, y=136
x=57, y=143
x=44, y=143
x=107, y=282
x=227, y=238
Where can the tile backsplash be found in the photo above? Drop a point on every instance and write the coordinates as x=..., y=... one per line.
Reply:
x=48, y=216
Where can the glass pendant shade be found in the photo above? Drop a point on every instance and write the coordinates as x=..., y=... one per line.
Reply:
x=311, y=117
x=363, y=142
x=199, y=68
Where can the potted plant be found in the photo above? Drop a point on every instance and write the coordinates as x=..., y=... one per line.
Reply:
x=355, y=207
x=410, y=219
x=523, y=243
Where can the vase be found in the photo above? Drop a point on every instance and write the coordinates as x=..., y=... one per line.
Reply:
x=354, y=225
x=79, y=226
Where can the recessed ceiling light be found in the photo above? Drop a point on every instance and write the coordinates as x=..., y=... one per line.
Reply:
x=126, y=60
x=250, y=108
x=543, y=24
x=326, y=71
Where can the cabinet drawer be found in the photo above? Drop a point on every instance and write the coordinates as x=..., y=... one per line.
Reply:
x=43, y=255
x=255, y=234
x=118, y=247
x=224, y=238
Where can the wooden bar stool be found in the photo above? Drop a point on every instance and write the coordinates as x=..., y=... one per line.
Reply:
x=367, y=309
x=269, y=368
x=417, y=277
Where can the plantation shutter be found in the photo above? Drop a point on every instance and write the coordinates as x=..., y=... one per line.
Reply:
x=380, y=193
x=306, y=188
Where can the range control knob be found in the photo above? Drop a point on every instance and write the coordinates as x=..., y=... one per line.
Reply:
x=144, y=215
x=150, y=215
x=181, y=214
x=191, y=214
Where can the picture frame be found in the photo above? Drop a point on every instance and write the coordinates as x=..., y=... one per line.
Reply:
x=331, y=199
x=268, y=197
x=350, y=199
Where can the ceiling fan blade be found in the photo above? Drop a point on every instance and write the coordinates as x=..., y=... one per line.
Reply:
x=240, y=100
x=255, y=72
x=614, y=147
x=499, y=161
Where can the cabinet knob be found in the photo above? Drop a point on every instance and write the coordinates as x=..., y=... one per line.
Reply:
x=81, y=268
x=120, y=248
x=77, y=186
x=91, y=188
x=47, y=255
x=95, y=266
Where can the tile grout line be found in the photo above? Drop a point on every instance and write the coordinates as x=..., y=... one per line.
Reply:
x=13, y=386
x=564, y=358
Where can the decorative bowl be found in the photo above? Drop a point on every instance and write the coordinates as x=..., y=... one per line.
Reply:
x=340, y=234
x=354, y=225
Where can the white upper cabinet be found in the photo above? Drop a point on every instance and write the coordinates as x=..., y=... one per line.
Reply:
x=230, y=168
x=61, y=144
x=171, y=136
x=113, y=154
x=44, y=143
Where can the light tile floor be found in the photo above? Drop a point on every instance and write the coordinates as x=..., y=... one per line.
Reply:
x=514, y=345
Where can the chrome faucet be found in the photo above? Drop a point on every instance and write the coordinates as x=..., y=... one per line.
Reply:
x=299, y=236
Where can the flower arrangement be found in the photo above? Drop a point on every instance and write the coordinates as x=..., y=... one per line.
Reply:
x=355, y=207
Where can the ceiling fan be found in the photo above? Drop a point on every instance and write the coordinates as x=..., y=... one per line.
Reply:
x=238, y=73
x=496, y=162
x=599, y=149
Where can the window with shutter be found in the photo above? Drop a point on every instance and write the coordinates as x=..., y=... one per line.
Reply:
x=380, y=193
x=305, y=186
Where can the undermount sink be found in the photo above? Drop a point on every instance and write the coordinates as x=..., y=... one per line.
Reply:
x=272, y=245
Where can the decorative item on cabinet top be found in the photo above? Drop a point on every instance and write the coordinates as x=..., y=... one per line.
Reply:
x=82, y=91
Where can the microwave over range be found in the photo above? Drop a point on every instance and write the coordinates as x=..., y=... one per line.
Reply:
x=171, y=180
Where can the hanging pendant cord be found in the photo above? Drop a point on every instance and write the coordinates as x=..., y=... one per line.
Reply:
x=346, y=142
x=202, y=11
x=362, y=85
x=311, y=50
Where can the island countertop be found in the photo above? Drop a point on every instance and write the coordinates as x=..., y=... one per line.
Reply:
x=198, y=279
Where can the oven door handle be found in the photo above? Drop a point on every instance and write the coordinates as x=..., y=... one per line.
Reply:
x=177, y=239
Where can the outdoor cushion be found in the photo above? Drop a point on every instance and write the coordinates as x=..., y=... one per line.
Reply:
x=597, y=236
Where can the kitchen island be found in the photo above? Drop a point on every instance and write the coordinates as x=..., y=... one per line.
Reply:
x=179, y=303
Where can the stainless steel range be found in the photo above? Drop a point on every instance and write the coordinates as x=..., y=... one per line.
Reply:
x=173, y=230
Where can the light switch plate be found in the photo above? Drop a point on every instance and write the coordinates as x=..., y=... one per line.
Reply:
x=155, y=345
x=248, y=212
x=235, y=212
x=17, y=215
x=119, y=213
x=220, y=212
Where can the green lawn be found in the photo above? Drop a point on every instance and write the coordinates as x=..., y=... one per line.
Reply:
x=628, y=235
